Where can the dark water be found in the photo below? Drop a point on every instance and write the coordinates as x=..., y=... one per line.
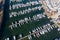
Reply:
x=5, y=16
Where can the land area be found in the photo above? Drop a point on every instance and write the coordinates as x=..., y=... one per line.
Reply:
x=1, y=10
x=52, y=14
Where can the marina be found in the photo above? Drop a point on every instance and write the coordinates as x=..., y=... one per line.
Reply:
x=27, y=20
